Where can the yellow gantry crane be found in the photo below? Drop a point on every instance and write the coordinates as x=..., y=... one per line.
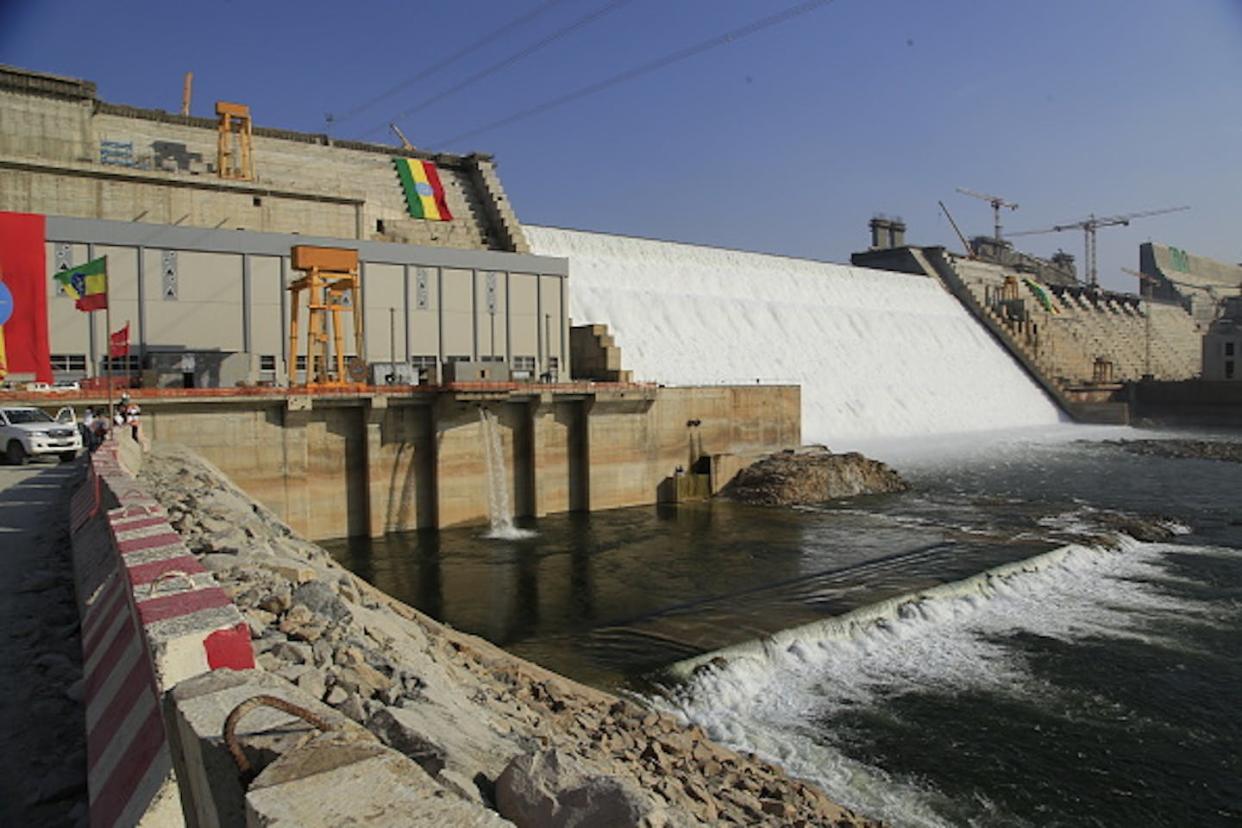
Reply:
x=332, y=288
x=234, y=128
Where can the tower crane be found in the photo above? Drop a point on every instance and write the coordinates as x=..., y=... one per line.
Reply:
x=1089, y=226
x=997, y=203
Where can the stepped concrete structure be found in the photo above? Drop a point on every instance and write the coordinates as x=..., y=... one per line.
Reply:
x=1197, y=283
x=1080, y=344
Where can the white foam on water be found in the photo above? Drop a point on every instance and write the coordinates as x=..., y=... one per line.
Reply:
x=770, y=696
x=877, y=354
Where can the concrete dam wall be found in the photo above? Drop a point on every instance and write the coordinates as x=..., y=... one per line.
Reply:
x=877, y=354
x=370, y=463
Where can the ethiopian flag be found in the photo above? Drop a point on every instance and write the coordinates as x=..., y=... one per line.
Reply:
x=424, y=194
x=87, y=284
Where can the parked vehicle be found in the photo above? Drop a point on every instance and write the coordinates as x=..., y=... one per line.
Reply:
x=30, y=432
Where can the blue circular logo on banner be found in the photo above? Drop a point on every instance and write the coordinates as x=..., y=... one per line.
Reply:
x=6, y=303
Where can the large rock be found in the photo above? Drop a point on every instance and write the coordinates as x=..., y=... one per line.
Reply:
x=811, y=475
x=549, y=789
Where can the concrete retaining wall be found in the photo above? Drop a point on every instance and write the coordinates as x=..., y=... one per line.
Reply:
x=151, y=617
x=366, y=465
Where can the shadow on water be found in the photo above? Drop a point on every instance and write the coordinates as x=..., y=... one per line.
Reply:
x=607, y=598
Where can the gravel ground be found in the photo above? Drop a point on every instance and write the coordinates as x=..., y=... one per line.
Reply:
x=42, y=720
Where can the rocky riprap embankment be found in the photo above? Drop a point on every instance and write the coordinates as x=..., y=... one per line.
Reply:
x=1186, y=449
x=811, y=475
x=501, y=732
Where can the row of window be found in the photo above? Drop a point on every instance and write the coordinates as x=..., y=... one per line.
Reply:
x=267, y=362
x=68, y=363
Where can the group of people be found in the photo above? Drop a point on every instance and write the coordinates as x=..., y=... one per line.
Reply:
x=95, y=424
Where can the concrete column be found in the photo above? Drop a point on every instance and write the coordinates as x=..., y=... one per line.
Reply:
x=379, y=466
x=247, y=310
x=297, y=416
x=551, y=426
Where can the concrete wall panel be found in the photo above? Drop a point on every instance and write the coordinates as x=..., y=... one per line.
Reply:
x=207, y=311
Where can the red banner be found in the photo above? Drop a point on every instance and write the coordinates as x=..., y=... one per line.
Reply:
x=23, y=268
x=118, y=343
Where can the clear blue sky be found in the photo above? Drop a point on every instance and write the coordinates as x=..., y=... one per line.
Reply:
x=786, y=141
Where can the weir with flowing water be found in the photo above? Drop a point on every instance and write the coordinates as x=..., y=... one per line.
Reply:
x=499, y=509
x=878, y=354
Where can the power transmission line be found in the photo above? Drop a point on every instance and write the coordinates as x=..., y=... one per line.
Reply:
x=645, y=68
x=423, y=74
x=509, y=61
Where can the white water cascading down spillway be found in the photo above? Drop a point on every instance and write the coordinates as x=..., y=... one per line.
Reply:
x=878, y=354
x=499, y=512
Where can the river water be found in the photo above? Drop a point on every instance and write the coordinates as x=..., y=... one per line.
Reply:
x=1098, y=685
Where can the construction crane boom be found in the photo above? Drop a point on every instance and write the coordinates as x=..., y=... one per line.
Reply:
x=1089, y=226
x=997, y=204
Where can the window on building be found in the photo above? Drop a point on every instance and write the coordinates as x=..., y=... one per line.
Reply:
x=121, y=365
x=490, y=358
x=267, y=362
x=457, y=359
x=524, y=363
x=258, y=201
x=301, y=361
x=69, y=362
x=1228, y=349
x=424, y=361
x=379, y=225
x=1229, y=369
x=554, y=364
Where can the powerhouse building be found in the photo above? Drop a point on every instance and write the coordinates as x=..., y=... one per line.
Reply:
x=197, y=221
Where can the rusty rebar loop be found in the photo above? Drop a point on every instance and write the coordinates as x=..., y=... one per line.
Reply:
x=244, y=768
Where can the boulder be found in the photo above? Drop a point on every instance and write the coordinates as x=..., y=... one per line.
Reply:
x=550, y=789
x=401, y=730
x=811, y=475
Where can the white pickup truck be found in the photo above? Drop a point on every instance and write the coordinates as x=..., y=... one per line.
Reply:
x=29, y=432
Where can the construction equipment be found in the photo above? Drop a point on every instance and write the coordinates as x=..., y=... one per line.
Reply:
x=332, y=287
x=997, y=203
x=233, y=158
x=1089, y=225
x=405, y=142
x=970, y=254
x=186, y=87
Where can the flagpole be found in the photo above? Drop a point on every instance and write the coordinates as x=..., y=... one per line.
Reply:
x=108, y=348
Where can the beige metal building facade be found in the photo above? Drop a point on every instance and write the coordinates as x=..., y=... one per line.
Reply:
x=187, y=291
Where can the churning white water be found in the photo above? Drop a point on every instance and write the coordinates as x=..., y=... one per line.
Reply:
x=499, y=512
x=877, y=354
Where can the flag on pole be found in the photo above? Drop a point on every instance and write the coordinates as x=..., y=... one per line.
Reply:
x=118, y=343
x=87, y=284
x=424, y=194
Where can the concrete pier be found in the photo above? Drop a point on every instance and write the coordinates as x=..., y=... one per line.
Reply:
x=369, y=462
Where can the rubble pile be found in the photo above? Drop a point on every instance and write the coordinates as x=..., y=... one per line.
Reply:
x=506, y=734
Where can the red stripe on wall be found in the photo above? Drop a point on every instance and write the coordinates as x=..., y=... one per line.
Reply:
x=114, y=795
x=23, y=268
x=146, y=573
x=128, y=695
x=107, y=663
x=183, y=603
